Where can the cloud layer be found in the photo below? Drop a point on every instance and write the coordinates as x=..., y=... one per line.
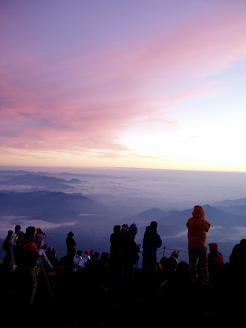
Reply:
x=86, y=97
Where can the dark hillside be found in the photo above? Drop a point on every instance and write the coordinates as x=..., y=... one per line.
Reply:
x=49, y=205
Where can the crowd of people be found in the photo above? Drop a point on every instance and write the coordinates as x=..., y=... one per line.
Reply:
x=29, y=254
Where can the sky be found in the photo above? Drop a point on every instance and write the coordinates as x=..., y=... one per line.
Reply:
x=133, y=83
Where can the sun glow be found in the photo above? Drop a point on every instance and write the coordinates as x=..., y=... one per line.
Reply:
x=159, y=88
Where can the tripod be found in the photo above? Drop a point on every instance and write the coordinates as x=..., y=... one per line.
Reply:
x=47, y=282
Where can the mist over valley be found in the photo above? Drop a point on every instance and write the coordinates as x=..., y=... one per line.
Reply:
x=91, y=202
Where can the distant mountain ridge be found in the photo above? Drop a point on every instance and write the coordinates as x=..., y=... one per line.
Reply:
x=236, y=206
x=38, y=181
x=50, y=205
x=230, y=202
x=172, y=221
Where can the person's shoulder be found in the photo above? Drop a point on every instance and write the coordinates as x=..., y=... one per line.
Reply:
x=189, y=220
x=236, y=247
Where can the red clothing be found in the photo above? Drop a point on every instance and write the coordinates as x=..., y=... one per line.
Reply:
x=31, y=248
x=197, y=231
x=215, y=262
x=30, y=254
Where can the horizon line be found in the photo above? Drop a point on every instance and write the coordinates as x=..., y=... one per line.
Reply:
x=18, y=167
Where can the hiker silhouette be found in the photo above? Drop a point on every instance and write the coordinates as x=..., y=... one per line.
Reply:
x=151, y=242
x=198, y=227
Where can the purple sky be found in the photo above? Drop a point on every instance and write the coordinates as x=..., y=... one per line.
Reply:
x=121, y=83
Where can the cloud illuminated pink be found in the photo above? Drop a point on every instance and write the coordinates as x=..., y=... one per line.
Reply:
x=84, y=100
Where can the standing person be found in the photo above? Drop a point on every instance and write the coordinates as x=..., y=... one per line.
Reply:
x=134, y=249
x=8, y=259
x=71, y=249
x=215, y=263
x=151, y=242
x=76, y=260
x=124, y=254
x=40, y=240
x=28, y=256
x=238, y=259
x=198, y=227
x=15, y=241
x=115, y=250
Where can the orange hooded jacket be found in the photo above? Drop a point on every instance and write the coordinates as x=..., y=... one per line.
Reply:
x=198, y=227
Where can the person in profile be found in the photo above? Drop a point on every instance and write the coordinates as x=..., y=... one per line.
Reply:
x=151, y=242
x=198, y=228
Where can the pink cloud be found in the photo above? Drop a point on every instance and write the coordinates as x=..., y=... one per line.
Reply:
x=85, y=100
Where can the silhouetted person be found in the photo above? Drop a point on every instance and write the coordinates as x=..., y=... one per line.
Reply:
x=28, y=262
x=215, y=262
x=198, y=227
x=151, y=242
x=85, y=260
x=71, y=245
x=40, y=240
x=238, y=258
x=104, y=262
x=8, y=260
x=182, y=272
x=133, y=247
x=15, y=241
x=124, y=254
x=71, y=249
x=93, y=264
x=171, y=263
x=161, y=264
x=17, y=234
x=77, y=260
x=115, y=250
x=133, y=230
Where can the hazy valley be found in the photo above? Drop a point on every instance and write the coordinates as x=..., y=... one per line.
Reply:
x=91, y=202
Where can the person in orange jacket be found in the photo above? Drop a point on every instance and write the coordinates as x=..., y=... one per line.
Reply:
x=198, y=228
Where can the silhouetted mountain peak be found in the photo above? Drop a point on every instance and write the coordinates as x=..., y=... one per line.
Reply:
x=154, y=212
